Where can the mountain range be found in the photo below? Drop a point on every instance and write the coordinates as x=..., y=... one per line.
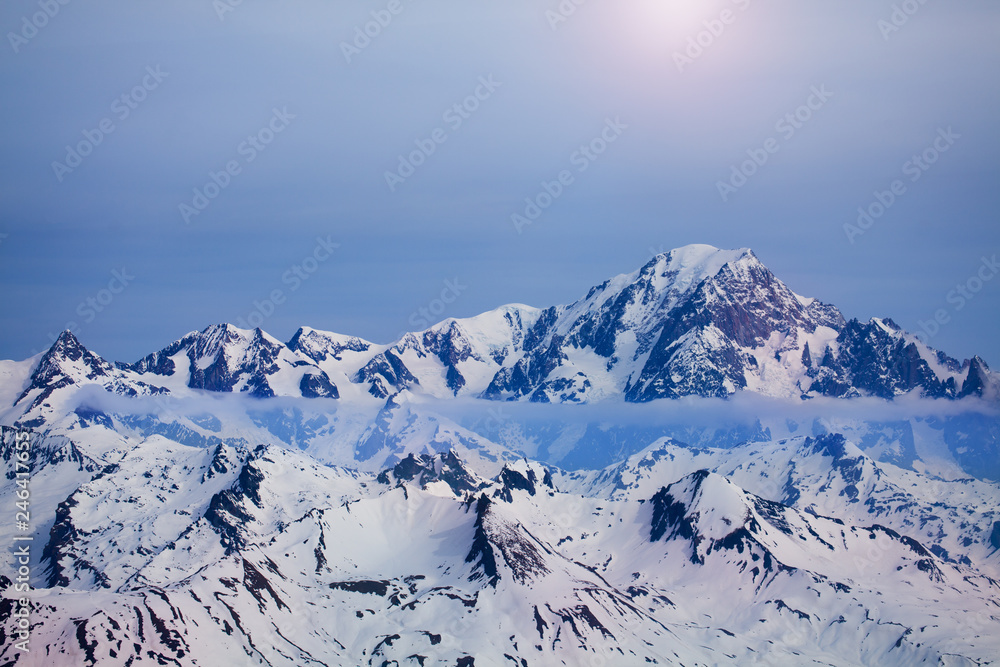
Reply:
x=696, y=321
x=527, y=486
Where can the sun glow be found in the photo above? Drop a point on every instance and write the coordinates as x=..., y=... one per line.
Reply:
x=676, y=13
x=662, y=27
x=664, y=23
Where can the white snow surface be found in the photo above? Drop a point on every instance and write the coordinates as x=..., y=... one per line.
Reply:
x=193, y=527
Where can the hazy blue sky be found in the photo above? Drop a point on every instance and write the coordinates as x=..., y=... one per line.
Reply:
x=199, y=80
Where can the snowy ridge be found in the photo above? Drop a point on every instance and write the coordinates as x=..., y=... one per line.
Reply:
x=695, y=321
x=823, y=476
x=267, y=557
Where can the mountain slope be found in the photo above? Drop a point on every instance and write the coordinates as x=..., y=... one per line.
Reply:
x=266, y=557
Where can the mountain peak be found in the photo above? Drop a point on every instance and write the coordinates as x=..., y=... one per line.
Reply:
x=228, y=330
x=66, y=347
x=66, y=338
x=321, y=345
x=681, y=269
x=979, y=381
x=235, y=340
x=702, y=508
x=703, y=258
x=66, y=363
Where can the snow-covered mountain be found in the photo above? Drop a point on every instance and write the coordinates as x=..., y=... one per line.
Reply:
x=236, y=500
x=224, y=358
x=696, y=321
x=238, y=556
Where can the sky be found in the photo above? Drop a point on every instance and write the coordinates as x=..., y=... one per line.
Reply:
x=372, y=167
